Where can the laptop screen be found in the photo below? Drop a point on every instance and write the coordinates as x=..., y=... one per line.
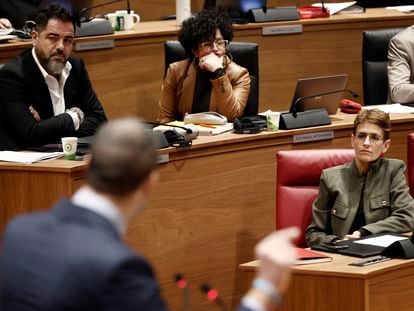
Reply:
x=312, y=87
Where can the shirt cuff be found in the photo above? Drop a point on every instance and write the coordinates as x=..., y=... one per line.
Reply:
x=75, y=118
x=252, y=303
x=364, y=232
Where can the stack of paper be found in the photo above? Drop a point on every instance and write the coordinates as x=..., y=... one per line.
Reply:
x=393, y=108
x=402, y=8
x=28, y=157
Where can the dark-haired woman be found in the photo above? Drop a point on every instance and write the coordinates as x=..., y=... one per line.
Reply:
x=208, y=80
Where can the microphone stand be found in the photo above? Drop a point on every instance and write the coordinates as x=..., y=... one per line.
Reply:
x=78, y=15
x=297, y=101
x=309, y=118
x=323, y=6
x=103, y=27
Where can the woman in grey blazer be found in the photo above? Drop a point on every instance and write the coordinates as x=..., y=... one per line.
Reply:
x=369, y=195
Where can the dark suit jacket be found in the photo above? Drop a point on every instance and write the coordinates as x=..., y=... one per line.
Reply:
x=22, y=85
x=70, y=258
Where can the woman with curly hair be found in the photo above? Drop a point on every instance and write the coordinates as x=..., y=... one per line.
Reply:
x=208, y=80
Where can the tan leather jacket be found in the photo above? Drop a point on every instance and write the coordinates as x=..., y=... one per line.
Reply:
x=388, y=205
x=228, y=95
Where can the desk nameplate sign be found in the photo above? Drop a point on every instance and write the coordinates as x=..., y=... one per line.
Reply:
x=163, y=158
x=94, y=45
x=282, y=30
x=303, y=138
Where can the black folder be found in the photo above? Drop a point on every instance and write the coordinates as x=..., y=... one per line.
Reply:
x=356, y=249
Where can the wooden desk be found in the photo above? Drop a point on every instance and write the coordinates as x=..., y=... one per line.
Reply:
x=213, y=203
x=336, y=286
x=128, y=77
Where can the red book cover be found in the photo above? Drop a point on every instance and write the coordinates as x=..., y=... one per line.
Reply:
x=307, y=256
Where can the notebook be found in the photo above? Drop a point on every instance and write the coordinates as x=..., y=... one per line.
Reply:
x=319, y=85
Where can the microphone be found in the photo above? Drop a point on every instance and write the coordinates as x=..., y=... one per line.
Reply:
x=128, y=7
x=79, y=15
x=213, y=296
x=323, y=6
x=181, y=283
x=265, y=7
x=297, y=101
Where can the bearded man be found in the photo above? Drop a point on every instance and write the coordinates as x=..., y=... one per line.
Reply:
x=46, y=94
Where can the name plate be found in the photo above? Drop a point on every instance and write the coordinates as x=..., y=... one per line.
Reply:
x=94, y=45
x=163, y=158
x=282, y=30
x=303, y=138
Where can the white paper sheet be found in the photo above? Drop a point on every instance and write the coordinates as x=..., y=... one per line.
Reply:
x=384, y=240
x=28, y=157
x=393, y=108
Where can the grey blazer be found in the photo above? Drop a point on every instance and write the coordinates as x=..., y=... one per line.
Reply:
x=388, y=205
x=401, y=67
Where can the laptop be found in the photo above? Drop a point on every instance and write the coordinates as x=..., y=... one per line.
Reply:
x=319, y=85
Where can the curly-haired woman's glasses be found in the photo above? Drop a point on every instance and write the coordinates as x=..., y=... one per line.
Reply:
x=208, y=45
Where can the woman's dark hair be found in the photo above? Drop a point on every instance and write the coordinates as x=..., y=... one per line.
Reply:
x=202, y=27
x=53, y=11
x=376, y=117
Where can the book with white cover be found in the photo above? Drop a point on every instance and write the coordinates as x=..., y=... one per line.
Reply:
x=28, y=157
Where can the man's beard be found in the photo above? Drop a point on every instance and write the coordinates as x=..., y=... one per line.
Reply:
x=52, y=67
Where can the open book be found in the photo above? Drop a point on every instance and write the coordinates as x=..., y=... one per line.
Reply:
x=307, y=256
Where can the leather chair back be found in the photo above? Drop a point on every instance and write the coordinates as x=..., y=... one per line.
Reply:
x=298, y=176
x=374, y=65
x=410, y=162
x=245, y=54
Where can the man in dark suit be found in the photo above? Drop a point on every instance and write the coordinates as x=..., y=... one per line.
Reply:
x=72, y=257
x=46, y=94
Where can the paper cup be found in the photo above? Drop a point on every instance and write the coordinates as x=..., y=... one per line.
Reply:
x=272, y=120
x=69, y=146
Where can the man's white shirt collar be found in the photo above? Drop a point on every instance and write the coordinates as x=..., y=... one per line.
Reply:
x=55, y=86
x=93, y=201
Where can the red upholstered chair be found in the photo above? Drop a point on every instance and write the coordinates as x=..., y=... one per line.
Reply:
x=298, y=175
x=410, y=162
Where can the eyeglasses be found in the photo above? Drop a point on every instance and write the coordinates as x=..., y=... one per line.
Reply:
x=208, y=45
x=373, y=138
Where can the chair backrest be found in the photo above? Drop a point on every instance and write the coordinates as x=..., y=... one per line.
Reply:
x=374, y=64
x=298, y=176
x=410, y=162
x=245, y=54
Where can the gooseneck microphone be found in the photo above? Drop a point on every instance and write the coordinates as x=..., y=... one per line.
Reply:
x=79, y=15
x=213, y=296
x=323, y=6
x=265, y=6
x=297, y=101
x=181, y=283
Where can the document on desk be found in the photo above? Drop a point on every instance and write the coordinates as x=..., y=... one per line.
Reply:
x=382, y=241
x=393, y=108
x=28, y=157
x=402, y=8
x=336, y=7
